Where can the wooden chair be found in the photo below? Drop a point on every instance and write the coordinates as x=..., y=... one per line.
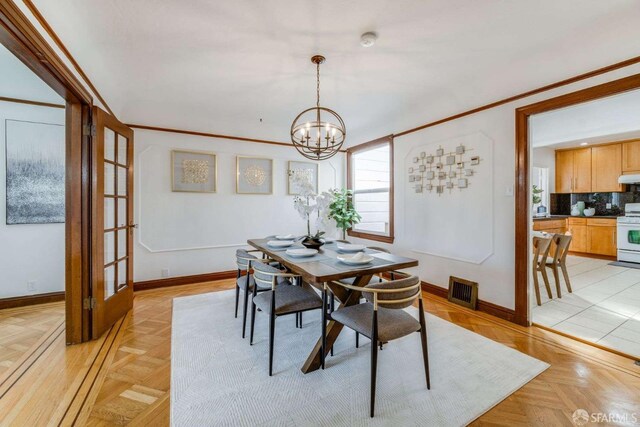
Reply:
x=381, y=319
x=559, y=260
x=282, y=298
x=541, y=246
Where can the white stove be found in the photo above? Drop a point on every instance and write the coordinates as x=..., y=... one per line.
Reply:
x=629, y=234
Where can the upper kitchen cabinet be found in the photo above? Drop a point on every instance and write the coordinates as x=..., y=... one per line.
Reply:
x=564, y=171
x=606, y=167
x=573, y=171
x=631, y=156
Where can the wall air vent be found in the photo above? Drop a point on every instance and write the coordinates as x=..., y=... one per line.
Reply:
x=463, y=292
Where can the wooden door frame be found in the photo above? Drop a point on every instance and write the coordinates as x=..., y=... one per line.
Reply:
x=20, y=37
x=522, y=193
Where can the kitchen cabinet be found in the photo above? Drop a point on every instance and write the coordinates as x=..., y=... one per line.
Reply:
x=631, y=156
x=555, y=226
x=573, y=171
x=601, y=236
x=606, y=167
x=577, y=227
x=564, y=171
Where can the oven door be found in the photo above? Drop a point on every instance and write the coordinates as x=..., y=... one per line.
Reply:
x=629, y=237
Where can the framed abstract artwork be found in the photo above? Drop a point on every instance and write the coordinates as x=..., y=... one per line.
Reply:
x=308, y=170
x=193, y=171
x=35, y=161
x=254, y=175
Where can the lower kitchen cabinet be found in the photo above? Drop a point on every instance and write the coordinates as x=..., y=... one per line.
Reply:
x=577, y=227
x=601, y=236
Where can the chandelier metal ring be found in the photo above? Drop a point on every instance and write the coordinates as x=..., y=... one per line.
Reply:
x=318, y=132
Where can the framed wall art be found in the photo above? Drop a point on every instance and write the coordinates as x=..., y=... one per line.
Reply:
x=308, y=170
x=35, y=175
x=254, y=175
x=193, y=171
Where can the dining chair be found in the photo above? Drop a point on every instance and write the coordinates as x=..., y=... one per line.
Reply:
x=283, y=297
x=559, y=260
x=541, y=246
x=382, y=319
x=244, y=281
x=380, y=277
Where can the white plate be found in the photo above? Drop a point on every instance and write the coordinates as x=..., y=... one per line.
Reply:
x=301, y=252
x=286, y=237
x=348, y=259
x=347, y=247
x=280, y=243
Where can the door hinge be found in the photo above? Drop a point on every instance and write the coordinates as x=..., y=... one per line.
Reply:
x=89, y=303
x=89, y=130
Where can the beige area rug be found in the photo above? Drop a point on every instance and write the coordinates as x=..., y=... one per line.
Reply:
x=217, y=379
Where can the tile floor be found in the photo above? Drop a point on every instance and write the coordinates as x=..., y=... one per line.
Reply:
x=604, y=307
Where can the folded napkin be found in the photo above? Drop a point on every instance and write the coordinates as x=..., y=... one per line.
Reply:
x=358, y=257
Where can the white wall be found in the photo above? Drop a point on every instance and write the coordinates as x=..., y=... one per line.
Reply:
x=29, y=252
x=495, y=274
x=191, y=233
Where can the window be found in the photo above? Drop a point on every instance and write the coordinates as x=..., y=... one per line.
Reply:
x=540, y=178
x=370, y=176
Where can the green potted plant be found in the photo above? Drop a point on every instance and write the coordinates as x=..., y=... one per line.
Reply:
x=341, y=210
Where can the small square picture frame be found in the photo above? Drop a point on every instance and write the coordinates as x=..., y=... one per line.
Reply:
x=452, y=174
x=428, y=187
x=410, y=170
x=423, y=155
x=475, y=160
x=412, y=178
x=451, y=160
x=449, y=184
x=429, y=159
x=416, y=160
x=468, y=172
x=460, y=165
x=422, y=168
x=463, y=183
x=418, y=188
x=431, y=174
x=440, y=152
x=460, y=149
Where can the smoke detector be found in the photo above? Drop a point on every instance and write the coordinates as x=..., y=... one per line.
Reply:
x=368, y=39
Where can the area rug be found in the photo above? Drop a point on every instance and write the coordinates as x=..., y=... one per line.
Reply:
x=218, y=379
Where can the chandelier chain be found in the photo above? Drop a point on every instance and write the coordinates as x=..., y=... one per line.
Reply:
x=318, y=84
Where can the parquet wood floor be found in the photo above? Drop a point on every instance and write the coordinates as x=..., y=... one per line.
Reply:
x=22, y=328
x=131, y=386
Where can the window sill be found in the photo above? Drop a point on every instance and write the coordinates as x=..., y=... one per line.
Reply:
x=369, y=236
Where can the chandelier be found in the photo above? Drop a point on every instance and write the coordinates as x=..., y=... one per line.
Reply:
x=318, y=132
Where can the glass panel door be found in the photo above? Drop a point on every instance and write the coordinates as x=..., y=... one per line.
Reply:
x=113, y=216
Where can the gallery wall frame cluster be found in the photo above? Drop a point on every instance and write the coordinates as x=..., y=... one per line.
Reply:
x=197, y=172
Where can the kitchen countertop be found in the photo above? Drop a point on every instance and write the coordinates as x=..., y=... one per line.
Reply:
x=556, y=217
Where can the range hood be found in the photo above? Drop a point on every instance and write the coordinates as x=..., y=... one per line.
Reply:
x=629, y=179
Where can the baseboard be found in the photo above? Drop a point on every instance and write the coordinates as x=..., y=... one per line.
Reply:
x=594, y=256
x=31, y=300
x=184, y=280
x=484, y=306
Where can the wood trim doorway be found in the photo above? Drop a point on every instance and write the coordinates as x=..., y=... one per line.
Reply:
x=21, y=38
x=523, y=195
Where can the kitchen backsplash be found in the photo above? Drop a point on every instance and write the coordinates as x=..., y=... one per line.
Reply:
x=561, y=203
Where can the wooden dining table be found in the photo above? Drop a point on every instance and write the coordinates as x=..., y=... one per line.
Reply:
x=324, y=267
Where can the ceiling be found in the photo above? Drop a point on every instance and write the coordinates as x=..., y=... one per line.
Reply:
x=18, y=81
x=613, y=118
x=221, y=66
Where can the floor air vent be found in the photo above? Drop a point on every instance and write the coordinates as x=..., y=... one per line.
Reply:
x=463, y=292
